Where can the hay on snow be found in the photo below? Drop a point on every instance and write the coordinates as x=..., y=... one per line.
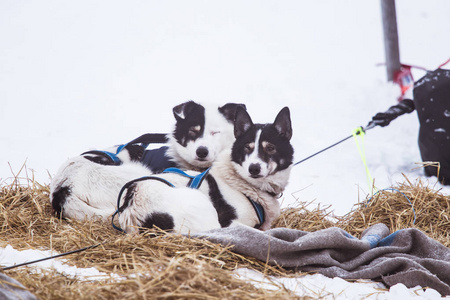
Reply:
x=159, y=265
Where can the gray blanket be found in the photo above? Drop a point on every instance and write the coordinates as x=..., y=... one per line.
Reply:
x=406, y=256
x=11, y=289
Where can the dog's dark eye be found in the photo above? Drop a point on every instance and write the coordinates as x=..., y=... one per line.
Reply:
x=248, y=148
x=270, y=149
x=194, y=130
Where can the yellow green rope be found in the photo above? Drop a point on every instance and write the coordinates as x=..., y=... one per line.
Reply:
x=359, y=132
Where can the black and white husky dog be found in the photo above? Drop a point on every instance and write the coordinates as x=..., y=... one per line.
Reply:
x=88, y=185
x=201, y=132
x=242, y=186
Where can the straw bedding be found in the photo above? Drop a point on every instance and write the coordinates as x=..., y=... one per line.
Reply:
x=157, y=265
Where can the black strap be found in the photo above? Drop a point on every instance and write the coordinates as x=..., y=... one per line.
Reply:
x=126, y=186
x=151, y=138
x=50, y=257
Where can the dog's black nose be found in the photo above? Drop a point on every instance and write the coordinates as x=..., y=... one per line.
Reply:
x=254, y=169
x=202, y=152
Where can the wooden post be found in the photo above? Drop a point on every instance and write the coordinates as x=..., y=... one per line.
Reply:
x=391, y=47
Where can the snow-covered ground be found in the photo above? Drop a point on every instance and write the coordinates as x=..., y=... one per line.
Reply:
x=81, y=74
x=318, y=286
x=10, y=256
x=315, y=286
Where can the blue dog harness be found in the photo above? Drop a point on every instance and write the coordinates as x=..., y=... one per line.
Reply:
x=194, y=183
x=197, y=180
x=259, y=212
x=157, y=159
x=143, y=140
x=111, y=157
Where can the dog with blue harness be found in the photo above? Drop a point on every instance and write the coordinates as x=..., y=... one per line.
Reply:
x=194, y=182
x=241, y=187
x=88, y=185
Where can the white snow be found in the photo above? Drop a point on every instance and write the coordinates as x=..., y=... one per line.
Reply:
x=10, y=257
x=315, y=285
x=318, y=286
x=81, y=74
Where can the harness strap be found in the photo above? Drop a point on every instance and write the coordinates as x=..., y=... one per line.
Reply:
x=109, y=155
x=126, y=186
x=144, y=140
x=195, y=181
x=259, y=212
x=150, y=138
x=120, y=148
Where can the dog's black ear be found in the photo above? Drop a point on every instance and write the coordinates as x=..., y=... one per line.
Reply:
x=229, y=110
x=184, y=109
x=242, y=122
x=282, y=123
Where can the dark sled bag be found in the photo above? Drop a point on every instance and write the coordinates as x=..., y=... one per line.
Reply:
x=432, y=103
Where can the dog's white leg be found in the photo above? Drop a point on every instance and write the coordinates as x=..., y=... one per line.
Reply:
x=78, y=209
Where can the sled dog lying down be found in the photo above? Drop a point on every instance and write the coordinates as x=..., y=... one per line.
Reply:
x=242, y=186
x=88, y=185
x=200, y=133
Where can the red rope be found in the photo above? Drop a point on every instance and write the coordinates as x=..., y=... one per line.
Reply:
x=414, y=67
x=444, y=64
